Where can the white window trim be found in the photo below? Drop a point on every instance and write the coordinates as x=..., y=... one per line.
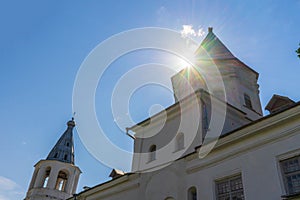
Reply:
x=227, y=175
x=280, y=158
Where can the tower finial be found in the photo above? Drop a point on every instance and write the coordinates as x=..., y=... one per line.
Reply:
x=71, y=123
x=210, y=29
x=73, y=116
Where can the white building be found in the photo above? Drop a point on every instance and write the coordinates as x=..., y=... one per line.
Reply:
x=256, y=157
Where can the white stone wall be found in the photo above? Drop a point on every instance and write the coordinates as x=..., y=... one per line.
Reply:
x=238, y=79
x=36, y=190
x=254, y=152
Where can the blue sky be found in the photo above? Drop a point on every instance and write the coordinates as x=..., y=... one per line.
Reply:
x=43, y=44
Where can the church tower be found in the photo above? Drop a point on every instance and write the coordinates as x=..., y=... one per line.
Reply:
x=240, y=81
x=56, y=177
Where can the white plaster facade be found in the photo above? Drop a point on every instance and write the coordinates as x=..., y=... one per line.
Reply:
x=253, y=151
x=251, y=148
x=38, y=190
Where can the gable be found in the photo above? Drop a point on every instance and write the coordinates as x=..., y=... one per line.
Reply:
x=278, y=103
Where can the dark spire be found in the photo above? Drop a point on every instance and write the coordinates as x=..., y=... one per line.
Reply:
x=64, y=148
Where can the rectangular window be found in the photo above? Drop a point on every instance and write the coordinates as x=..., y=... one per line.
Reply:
x=230, y=189
x=247, y=99
x=291, y=174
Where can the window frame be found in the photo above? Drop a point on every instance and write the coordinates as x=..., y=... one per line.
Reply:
x=247, y=101
x=192, y=191
x=152, y=153
x=284, y=174
x=231, y=192
x=46, y=177
x=62, y=181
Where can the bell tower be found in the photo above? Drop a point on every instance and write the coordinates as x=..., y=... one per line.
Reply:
x=56, y=177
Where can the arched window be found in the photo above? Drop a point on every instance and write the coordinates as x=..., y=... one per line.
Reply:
x=192, y=193
x=179, y=143
x=247, y=100
x=46, y=177
x=45, y=182
x=61, y=182
x=65, y=157
x=169, y=198
x=152, y=152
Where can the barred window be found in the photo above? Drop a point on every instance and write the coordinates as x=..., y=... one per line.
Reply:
x=230, y=189
x=291, y=174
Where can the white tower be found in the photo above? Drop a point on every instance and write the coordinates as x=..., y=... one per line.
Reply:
x=240, y=81
x=57, y=176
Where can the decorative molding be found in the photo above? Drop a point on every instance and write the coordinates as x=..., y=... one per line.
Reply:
x=263, y=129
